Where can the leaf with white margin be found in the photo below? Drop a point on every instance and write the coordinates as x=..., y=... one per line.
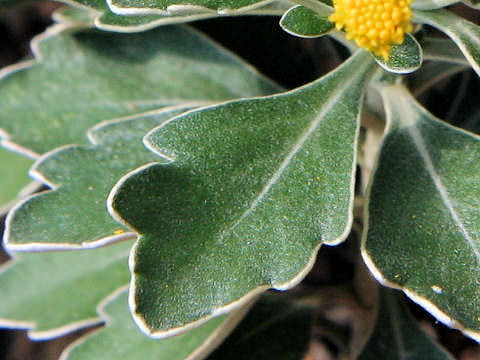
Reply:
x=169, y=7
x=256, y=186
x=422, y=234
x=13, y=176
x=76, y=15
x=445, y=60
x=56, y=293
x=463, y=32
x=432, y=73
x=107, y=20
x=432, y=4
x=404, y=58
x=74, y=215
x=279, y=327
x=397, y=335
x=444, y=50
x=472, y=3
x=304, y=22
x=120, y=339
x=100, y=75
x=275, y=327
x=112, y=22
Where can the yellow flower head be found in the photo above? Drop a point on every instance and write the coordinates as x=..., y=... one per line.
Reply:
x=374, y=24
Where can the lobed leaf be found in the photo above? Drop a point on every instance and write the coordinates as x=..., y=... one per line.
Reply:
x=463, y=32
x=120, y=338
x=74, y=214
x=304, y=22
x=106, y=20
x=80, y=16
x=165, y=7
x=255, y=187
x=275, y=327
x=55, y=293
x=423, y=226
x=14, y=177
x=100, y=76
x=397, y=334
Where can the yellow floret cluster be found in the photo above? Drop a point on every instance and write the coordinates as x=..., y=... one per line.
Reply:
x=374, y=24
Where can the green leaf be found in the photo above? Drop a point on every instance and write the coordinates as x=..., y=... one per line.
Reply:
x=165, y=7
x=327, y=2
x=431, y=73
x=76, y=15
x=446, y=60
x=432, y=4
x=121, y=339
x=397, y=335
x=423, y=226
x=256, y=186
x=112, y=22
x=444, y=50
x=15, y=177
x=322, y=7
x=463, y=32
x=276, y=328
x=56, y=293
x=74, y=214
x=404, y=58
x=100, y=75
x=472, y=3
x=106, y=20
x=304, y=22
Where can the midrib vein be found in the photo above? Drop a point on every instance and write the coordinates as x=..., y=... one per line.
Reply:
x=409, y=117
x=326, y=107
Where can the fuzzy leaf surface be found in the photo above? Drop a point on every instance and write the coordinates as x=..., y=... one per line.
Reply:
x=472, y=3
x=74, y=214
x=463, y=32
x=274, y=327
x=99, y=76
x=404, y=58
x=56, y=293
x=148, y=7
x=76, y=15
x=432, y=73
x=442, y=50
x=105, y=19
x=13, y=176
x=432, y=4
x=304, y=22
x=256, y=186
x=398, y=336
x=120, y=339
x=423, y=233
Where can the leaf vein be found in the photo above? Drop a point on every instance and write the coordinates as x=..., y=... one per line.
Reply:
x=423, y=151
x=288, y=159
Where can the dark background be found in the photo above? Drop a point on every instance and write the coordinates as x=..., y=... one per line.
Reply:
x=291, y=62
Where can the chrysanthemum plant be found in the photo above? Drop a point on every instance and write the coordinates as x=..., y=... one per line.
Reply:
x=159, y=148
